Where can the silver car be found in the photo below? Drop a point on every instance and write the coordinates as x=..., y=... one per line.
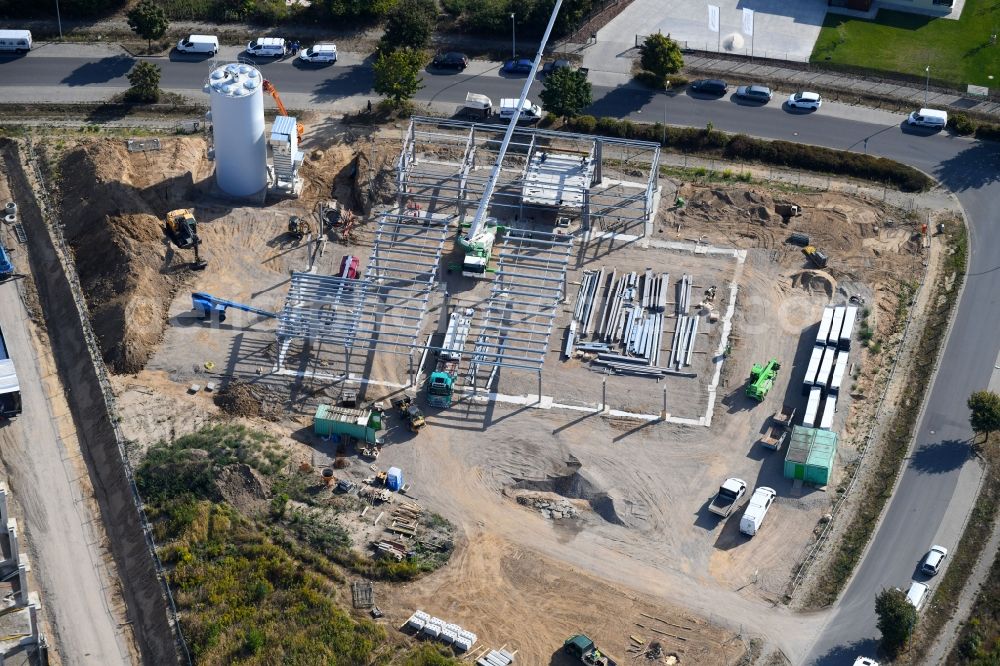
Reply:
x=933, y=559
x=755, y=93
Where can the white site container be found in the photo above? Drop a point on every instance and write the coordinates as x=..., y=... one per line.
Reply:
x=825, y=367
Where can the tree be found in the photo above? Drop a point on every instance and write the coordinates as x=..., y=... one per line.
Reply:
x=896, y=619
x=985, y=417
x=145, y=80
x=567, y=92
x=148, y=20
x=661, y=56
x=410, y=23
x=397, y=75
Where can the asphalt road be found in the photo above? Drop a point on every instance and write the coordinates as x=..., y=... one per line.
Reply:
x=969, y=169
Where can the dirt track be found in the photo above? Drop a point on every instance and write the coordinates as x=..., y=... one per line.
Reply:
x=140, y=587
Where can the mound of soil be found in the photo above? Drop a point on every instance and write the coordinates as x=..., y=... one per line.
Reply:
x=243, y=487
x=112, y=202
x=239, y=398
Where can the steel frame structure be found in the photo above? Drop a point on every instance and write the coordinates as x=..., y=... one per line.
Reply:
x=443, y=166
x=386, y=308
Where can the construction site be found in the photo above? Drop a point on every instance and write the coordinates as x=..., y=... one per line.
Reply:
x=538, y=337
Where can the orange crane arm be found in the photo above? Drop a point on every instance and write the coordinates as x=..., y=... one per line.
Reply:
x=273, y=92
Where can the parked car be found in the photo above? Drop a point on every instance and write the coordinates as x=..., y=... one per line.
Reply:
x=553, y=65
x=272, y=47
x=715, y=87
x=517, y=66
x=450, y=60
x=804, y=100
x=530, y=113
x=319, y=53
x=933, y=559
x=755, y=93
x=208, y=44
x=865, y=661
x=928, y=118
x=753, y=517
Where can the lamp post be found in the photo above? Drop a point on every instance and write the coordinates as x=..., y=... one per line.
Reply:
x=59, y=20
x=927, y=86
x=666, y=92
x=513, y=37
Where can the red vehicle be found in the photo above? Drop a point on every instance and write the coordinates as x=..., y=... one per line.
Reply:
x=349, y=267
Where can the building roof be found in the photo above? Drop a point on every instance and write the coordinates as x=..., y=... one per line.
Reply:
x=344, y=414
x=812, y=446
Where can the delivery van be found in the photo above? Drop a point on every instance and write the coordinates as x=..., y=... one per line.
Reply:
x=928, y=118
x=18, y=41
x=206, y=44
x=530, y=113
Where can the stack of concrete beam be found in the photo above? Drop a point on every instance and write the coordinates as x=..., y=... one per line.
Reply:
x=434, y=627
x=828, y=364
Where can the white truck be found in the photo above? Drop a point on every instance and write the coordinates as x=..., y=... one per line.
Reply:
x=753, y=517
x=477, y=107
x=729, y=495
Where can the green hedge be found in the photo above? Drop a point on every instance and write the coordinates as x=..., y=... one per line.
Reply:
x=961, y=124
x=745, y=148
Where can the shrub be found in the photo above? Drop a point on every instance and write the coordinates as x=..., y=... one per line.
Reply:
x=988, y=131
x=960, y=124
x=584, y=124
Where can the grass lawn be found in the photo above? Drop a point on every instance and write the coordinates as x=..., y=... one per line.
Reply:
x=959, y=52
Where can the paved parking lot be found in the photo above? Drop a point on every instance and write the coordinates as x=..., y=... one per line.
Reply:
x=783, y=29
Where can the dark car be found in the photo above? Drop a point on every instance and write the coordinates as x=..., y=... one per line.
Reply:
x=553, y=65
x=709, y=87
x=450, y=60
x=754, y=93
x=517, y=66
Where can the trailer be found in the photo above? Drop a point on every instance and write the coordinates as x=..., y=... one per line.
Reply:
x=838, y=323
x=777, y=431
x=441, y=384
x=825, y=368
x=812, y=369
x=839, y=370
x=824, y=326
x=829, y=409
x=850, y=317
x=10, y=388
x=812, y=407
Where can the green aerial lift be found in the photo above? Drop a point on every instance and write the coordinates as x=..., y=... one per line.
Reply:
x=762, y=379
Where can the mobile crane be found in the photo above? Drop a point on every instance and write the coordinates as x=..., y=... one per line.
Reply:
x=273, y=92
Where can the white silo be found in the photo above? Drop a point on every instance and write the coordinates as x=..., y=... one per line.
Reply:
x=238, y=129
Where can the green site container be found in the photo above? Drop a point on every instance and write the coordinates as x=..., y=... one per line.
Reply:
x=345, y=422
x=810, y=456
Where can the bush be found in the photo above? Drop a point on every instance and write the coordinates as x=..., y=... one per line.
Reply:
x=988, y=131
x=960, y=124
x=584, y=124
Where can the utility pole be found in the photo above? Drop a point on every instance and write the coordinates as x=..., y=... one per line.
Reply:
x=513, y=37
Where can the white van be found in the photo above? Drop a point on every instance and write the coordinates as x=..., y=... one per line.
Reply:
x=199, y=44
x=15, y=40
x=530, y=113
x=753, y=517
x=477, y=106
x=928, y=118
x=319, y=53
x=273, y=47
x=917, y=594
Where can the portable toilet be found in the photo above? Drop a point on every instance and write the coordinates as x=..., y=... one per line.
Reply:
x=394, y=478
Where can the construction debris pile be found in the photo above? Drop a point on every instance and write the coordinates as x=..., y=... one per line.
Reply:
x=433, y=627
x=556, y=510
x=628, y=335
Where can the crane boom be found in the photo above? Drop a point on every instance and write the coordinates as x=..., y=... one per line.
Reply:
x=273, y=92
x=491, y=184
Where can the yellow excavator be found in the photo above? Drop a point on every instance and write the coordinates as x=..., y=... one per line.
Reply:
x=182, y=230
x=273, y=92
